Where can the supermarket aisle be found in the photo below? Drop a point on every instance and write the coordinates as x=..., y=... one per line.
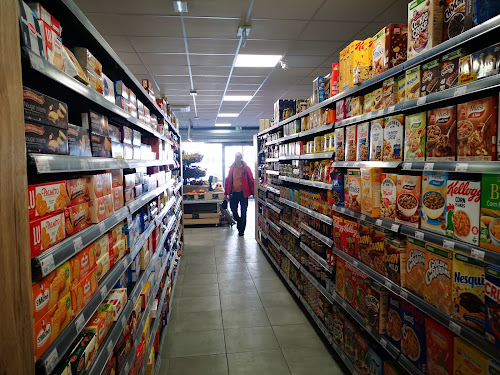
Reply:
x=233, y=315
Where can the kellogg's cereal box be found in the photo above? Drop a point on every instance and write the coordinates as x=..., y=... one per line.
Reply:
x=433, y=212
x=441, y=134
x=354, y=192
x=370, y=191
x=425, y=25
x=44, y=199
x=376, y=139
x=377, y=299
x=350, y=143
x=388, y=195
x=408, y=199
x=477, y=129
x=364, y=242
x=439, y=342
x=361, y=352
x=467, y=359
x=468, y=291
x=415, y=266
x=438, y=278
x=339, y=144
x=492, y=298
x=350, y=284
x=415, y=136
x=360, y=292
x=393, y=138
x=395, y=259
x=463, y=207
x=46, y=232
x=413, y=334
x=350, y=242
x=340, y=277
x=350, y=331
x=490, y=211
x=377, y=254
x=363, y=145
x=394, y=320
x=338, y=228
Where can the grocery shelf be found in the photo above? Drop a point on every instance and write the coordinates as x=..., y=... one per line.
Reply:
x=200, y=201
x=317, y=284
x=273, y=142
x=301, y=181
x=272, y=189
x=270, y=239
x=273, y=207
x=317, y=257
x=317, y=155
x=289, y=157
x=295, y=261
x=164, y=211
x=452, y=166
x=270, y=171
x=49, y=260
x=387, y=224
x=262, y=233
x=317, y=215
x=318, y=322
x=372, y=164
x=276, y=227
x=176, y=189
x=271, y=258
x=291, y=229
x=326, y=240
x=137, y=203
x=272, y=160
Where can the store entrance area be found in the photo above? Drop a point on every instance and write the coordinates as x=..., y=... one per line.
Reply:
x=233, y=315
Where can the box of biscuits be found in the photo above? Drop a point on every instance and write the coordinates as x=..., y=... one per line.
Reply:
x=46, y=232
x=45, y=139
x=46, y=198
x=44, y=109
x=78, y=141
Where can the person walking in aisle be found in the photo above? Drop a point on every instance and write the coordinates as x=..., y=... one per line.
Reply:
x=238, y=187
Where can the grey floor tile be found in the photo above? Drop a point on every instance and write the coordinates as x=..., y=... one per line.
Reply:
x=200, y=261
x=202, y=278
x=207, y=365
x=199, y=269
x=237, y=287
x=202, y=290
x=262, y=363
x=244, y=318
x=197, y=321
x=262, y=267
x=234, y=276
x=297, y=336
x=240, y=301
x=286, y=315
x=308, y=361
x=277, y=299
x=265, y=274
x=196, y=304
x=267, y=286
x=229, y=259
x=184, y=344
x=250, y=339
x=232, y=267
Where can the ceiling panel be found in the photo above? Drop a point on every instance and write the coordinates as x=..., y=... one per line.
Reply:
x=130, y=58
x=251, y=71
x=157, y=44
x=337, y=31
x=207, y=45
x=126, y=6
x=370, y=30
x=168, y=80
x=396, y=13
x=137, y=69
x=211, y=27
x=217, y=8
x=210, y=70
x=277, y=29
x=119, y=43
x=247, y=80
x=168, y=70
x=285, y=9
x=305, y=61
x=164, y=59
x=210, y=60
x=352, y=10
x=136, y=25
x=266, y=47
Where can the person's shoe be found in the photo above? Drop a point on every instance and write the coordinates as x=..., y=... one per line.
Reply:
x=241, y=234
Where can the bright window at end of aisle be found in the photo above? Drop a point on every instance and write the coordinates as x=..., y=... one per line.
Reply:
x=249, y=157
x=212, y=157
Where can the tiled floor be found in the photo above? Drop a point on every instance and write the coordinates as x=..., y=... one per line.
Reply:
x=233, y=315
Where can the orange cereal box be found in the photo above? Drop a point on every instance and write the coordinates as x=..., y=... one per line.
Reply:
x=467, y=359
x=46, y=232
x=439, y=342
x=340, y=277
x=338, y=228
x=82, y=292
x=44, y=199
x=438, y=278
x=77, y=218
x=82, y=263
x=415, y=266
x=370, y=187
x=77, y=190
x=408, y=200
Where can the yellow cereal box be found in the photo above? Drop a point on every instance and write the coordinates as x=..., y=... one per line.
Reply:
x=367, y=103
x=438, y=278
x=415, y=266
x=412, y=88
x=401, y=80
x=370, y=186
x=467, y=359
x=359, y=63
x=468, y=291
x=340, y=277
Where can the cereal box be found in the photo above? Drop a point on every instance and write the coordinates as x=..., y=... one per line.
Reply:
x=415, y=136
x=389, y=47
x=441, y=134
x=350, y=143
x=350, y=330
x=458, y=17
x=434, y=192
x=388, y=195
x=393, y=138
x=338, y=190
x=361, y=352
x=463, y=207
x=377, y=299
x=466, y=71
x=370, y=191
x=350, y=243
x=413, y=334
x=376, y=139
x=78, y=190
x=350, y=284
x=363, y=142
x=392, y=368
x=390, y=92
x=439, y=342
x=44, y=199
x=438, y=278
x=477, y=129
x=415, y=266
x=375, y=361
x=467, y=359
x=360, y=292
x=367, y=103
x=46, y=232
x=401, y=82
x=395, y=259
x=338, y=326
x=468, y=291
x=82, y=263
x=412, y=85
x=377, y=254
x=354, y=192
x=408, y=200
x=364, y=242
x=492, y=299
x=340, y=277
x=450, y=69
x=339, y=144
x=77, y=218
x=394, y=320
x=377, y=99
x=82, y=292
x=425, y=26
x=48, y=291
x=340, y=109
x=338, y=228
x=356, y=106
x=490, y=211
x=430, y=77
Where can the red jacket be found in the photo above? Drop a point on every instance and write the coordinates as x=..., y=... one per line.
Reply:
x=246, y=181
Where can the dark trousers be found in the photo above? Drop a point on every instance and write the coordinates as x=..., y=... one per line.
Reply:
x=241, y=220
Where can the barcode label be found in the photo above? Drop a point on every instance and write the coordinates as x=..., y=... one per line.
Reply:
x=42, y=165
x=77, y=244
x=461, y=167
x=104, y=292
x=110, y=347
x=51, y=361
x=102, y=228
x=391, y=109
x=48, y=265
x=428, y=166
x=419, y=235
x=84, y=164
x=383, y=342
x=355, y=263
x=478, y=254
x=342, y=210
x=449, y=245
x=421, y=101
x=395, y=227
x=378, y=222
x=363, y=217
x=406, y=166
x=460, y=91
x=388, y=284
x=454, y=327
x=79, y=323
x=404, y=294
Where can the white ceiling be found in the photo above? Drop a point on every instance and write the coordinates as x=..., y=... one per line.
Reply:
x=148, y=37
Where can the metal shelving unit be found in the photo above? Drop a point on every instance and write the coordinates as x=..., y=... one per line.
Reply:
x=301, y=181
x=317, y=215
x=291, y=229
x=327, y=241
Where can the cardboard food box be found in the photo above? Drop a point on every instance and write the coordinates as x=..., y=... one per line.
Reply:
x=370, y=191
x=449, y=69
x=393, y=138
x=117, y=298
x=376, y=139
x=401, y=85
x=463, y=208
x=82, y=263
x=350, y=284
x=492, y=299
x=467, y=359
x=433, y=203
x=340, y=277
x=425, y=25
x=78, y=190
x=413, y=83
x=394, y=320
x=101, y=208
x=44, y=109
x=458, y=17
x=408, y=194
x=354, y=189
x=367, y=103
x=122, y=90
x=52, y=44
x=339, y=144
x=126, y=136
x=338, y=326
x=114, y=133
x=83, y=354
x=103, y=266
x=50, y=290
x=364, y=242
x=467, y=70
x=46, y=198
x=77, y=218
x=88, y=61
x=431, y=73
x=388, y=195
x=350, y=143
x=102, y=245
x=377, y=99
x=45, y=139
x=438, y=278
x=356, y=106
x=363, y=141
x=361, y=54
x=82, y=292
x=338, y=228
x=350, y=330
x=99, y=324
x=108, y=88
x=118, y=199
x=390, y=92
x=119, y=249
x=413, y=335
x=490, y=211
x=117, y=151
x=72, y=67
x=78, y=141
x=360, y=292
x=95, y=123
x=377, y=301
x=95, y=82
x=395, y=259
x=442, y=134
x=389, y=47
x=377, y=253
x=439, y=348
x=477, y=129
x=415, y=125
x=415, y=266
x=362, y=341
x=350, y=240
x=100, y=185
x=30, y=33
x=46, y=232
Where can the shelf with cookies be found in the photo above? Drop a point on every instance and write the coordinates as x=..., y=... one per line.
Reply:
x=326, y=219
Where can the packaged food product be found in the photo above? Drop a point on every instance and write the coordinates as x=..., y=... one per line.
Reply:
x=375, y=361
x=44, y=109
x=30, y=33
x=78, y=141
x=363, y=141
x=477, y=129
x=458, y=17
x=118, y=199
x=364, y=242
x=354, y=192
x=350, y=284
x=412, y=84
x=463, y=207
x=72, y=67
x=338, y=326
x=467, y=359
x=95, y=82
x=415, y=266
x=99, y=324
x=401, y=84
x=408, y=200
x=439, y=343
x=434, y=192
x=425, y=25
x=362, y=341
x=77, y=218
x=103, y=265
x=337, y=188
x=350, y=143
x=100, y=185
x=350, y=330
x=360, y=292
x=95, y=123
x=100, y=146
x=102, y=245
x=389, y=47
x=390, y=92
x=488, y=58
x=413, y=334
x=438, y=278
x=414, y=138
x=492, y=299
x=356, y=106
x=393, y=138
x=441, y=134
x=370, y=191
x=449, y=69
x=340, y=277
x=339, y=144
x=46, y=232
x=129, y=195
x=388, y=183
x=136, y=138
x=431, y=72
x=119, y=249
x=467, y=71
x=108, y=88
x=46, y=198
x=50, y=290
x=377, y=299
x=376, y=139
x=377, y=99
x=52, y=44
x=82, y=292
x=490, y=211
x=88, y=61
x=395, y=259
x=78, y=191
x=338, y=228
x=45, y=139
x=82, y=263
x=394, y=320
x=101, y=208
x=340, y=109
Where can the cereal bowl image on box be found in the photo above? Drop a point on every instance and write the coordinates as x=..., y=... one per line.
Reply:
x=494, y=231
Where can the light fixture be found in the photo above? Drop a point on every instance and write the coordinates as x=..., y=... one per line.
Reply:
x=237, y=98
x=223, y=125
x=257, y=61
x=180, y=6
x=193, y=92
x=228, y=115
x=284, y=65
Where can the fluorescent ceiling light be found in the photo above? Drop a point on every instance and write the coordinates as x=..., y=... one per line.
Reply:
x=180, y=6
x=228, y=115
x=223, y=125
x=257, y=61
x=237, y=98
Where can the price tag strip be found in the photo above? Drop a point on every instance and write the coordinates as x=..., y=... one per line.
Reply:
x=48, y=265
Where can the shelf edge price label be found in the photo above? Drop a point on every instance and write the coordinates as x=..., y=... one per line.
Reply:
x=391, y=109
x=460, y=91
x=124, y=322
x=368, y=328
x=419, y=235
x=404, y=294
x=388, y=284
x=395, y=227
x=449, y=245
x=406, y=166
x=342, y=210
x=77, y=244
x=476, y=253
x=428, y=166
x=36, y=62
x=454, y=327
x=383, y=342
x=355, y=263
x=47, y=264
x=110, y=347
x=42, y=165
x=84, y=164
x=421, y=101
x=104, y=292
x=378, y=222
x=51, y=361
x=79, y=323
x=102, y=227
x=363, y=217
x=461, y=167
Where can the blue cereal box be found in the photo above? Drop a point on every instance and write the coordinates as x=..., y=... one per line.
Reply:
x=413, y=334
x=492, y=294
x=338, y=188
